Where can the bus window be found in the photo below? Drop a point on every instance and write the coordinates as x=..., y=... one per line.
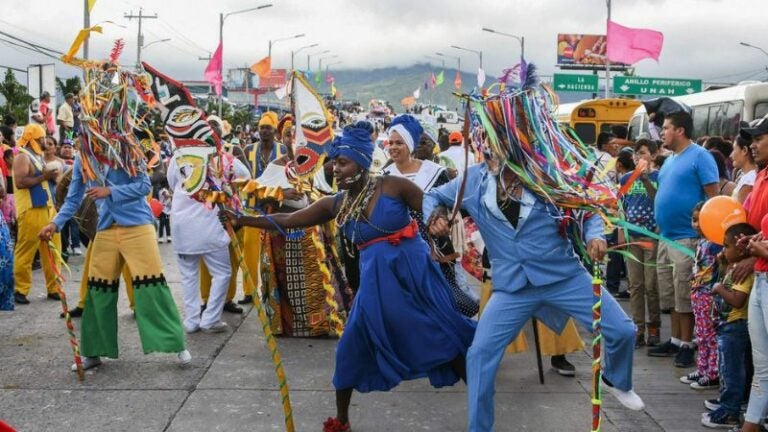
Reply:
x=732, y=119
x=635, y=127
x=761, y=110
x=586, y=132
x=700, y=121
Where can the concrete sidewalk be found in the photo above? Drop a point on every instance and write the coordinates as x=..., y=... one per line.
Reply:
x=231, y=384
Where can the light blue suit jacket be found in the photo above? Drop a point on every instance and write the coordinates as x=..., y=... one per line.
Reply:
x=535, y=253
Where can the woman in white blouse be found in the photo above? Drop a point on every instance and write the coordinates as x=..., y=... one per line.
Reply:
x=744, y=162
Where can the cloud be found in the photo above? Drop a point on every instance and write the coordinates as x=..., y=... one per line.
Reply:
x=701, y=37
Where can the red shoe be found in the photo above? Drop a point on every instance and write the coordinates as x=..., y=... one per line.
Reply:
x=334, y=425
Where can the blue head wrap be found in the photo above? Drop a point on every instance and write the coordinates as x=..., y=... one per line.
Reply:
x=407, y=127
x=354, y=143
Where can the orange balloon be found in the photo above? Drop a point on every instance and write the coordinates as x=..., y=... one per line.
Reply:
x=717, y=215
x=156, y=206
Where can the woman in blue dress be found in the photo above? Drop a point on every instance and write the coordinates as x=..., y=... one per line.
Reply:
x=404, y=323
x=6, y=260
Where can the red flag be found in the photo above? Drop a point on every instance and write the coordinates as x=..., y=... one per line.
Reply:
x=213, y=71
x=329, y=78
x=457, y=81
x=433, y=80
x=628, y=45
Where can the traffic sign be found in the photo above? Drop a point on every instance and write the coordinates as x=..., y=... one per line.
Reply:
x=575, y=83
x=655, y=86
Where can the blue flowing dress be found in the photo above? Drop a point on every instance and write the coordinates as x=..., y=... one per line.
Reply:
x=404, y=322
x=6, y=267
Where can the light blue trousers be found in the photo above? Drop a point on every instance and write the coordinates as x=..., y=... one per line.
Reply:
x=758, y=334
x=506, y=313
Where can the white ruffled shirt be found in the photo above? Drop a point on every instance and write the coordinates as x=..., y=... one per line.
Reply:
x=196, y=228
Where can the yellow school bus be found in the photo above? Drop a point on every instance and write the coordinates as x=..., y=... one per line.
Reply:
x=589, y=118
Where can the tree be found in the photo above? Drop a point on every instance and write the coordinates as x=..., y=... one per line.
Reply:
x=241, y=117
x=16, y=98
x=70, y=85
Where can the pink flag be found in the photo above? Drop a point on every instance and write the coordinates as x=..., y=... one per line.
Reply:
x=628, y=45
x=213, y=71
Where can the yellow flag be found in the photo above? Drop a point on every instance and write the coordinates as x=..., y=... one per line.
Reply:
x=78, y=42
x=333, y=89
x=90, y=5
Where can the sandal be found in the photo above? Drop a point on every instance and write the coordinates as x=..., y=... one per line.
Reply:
x=334, y=425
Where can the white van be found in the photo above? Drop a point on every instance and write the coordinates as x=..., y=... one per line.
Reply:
x=447, y=117
x=716, y=112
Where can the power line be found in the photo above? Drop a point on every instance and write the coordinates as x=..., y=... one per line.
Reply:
x=13, y=68
x=183, y=38
x=32, y=44
x=35, y=50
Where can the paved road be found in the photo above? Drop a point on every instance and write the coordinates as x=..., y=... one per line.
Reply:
x=231, y=384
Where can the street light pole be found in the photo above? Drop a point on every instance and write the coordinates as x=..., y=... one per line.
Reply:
x=222, y=17
x=314, y=54
x=478, y=52
x=271, y=42
x=320, y=61
x=293, y=53
x=435, y=58
x=520, y=39
x=753, y=46
x=457, y=58
x=156, y=42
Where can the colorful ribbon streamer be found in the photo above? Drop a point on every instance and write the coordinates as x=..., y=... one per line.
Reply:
x=54, y=257
x=282, y=379
x=597, y=339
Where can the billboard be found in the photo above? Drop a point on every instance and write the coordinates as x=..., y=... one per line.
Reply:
x=581, y=50
x=276, y=78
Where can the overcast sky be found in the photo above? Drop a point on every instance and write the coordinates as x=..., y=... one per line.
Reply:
x=701, y=38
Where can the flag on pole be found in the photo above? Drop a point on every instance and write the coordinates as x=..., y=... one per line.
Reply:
x=457, y=81
x=328, y=78
x=440, y=78
x=213, y=71
x=317, y=78
x=91, y=3
x=417, y=93
x=433, y=80
x=629, y=45
x=480, y=78
x=263, y=67
x=333, y=89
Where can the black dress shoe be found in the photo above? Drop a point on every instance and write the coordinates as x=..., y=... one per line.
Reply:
x=20, y=298
x=246, y=300
x=562, y=366
x=54, y=296
x=231, y=307
x=75, y=312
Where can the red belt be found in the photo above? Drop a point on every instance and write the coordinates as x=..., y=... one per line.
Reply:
x=407, y=232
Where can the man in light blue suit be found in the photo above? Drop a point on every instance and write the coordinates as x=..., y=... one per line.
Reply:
x=535, y=273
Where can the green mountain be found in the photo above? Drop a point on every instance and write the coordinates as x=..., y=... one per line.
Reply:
x=393, y=84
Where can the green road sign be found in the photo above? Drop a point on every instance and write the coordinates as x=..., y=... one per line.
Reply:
x=575, y=83
x=655, y=86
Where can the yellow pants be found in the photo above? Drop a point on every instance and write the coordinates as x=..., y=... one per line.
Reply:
x=157, y=318
x=27, y=243
x=84, y=280
x=551, y=343
x=251, y=245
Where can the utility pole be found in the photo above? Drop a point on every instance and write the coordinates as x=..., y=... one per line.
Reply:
x=140, y=38
x=86, y=24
